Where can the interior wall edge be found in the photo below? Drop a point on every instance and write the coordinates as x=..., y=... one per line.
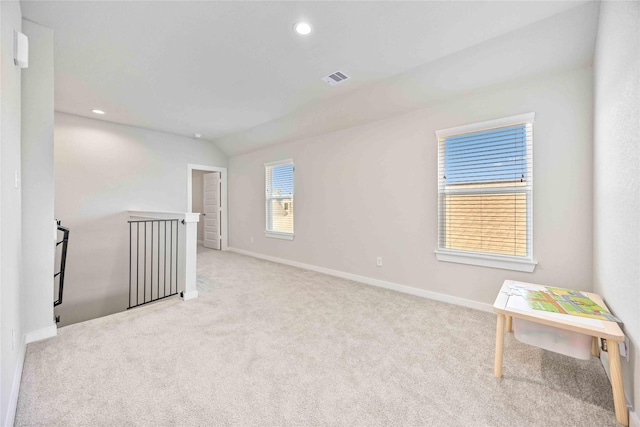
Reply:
x=15, y=386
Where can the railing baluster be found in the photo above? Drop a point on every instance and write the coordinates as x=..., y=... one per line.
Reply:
x=157, y=250
x=177, y=244
x=158, y=280
x=171, y=260
x=145, y=263
x=164, y=264
x=151, y=282
x=130, y=243
x=137, y=262
x=63, y=263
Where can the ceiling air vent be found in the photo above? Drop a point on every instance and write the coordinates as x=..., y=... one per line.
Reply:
x=335, y=78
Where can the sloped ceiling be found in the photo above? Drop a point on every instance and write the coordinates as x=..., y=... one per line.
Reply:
x=561, y=42
x=236, y=72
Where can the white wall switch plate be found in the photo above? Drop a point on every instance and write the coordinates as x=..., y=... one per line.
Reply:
x=20, y=50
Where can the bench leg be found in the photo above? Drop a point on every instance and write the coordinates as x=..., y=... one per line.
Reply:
x=622, y=414
x=497, y=365
x=509, y=324
x=595, y=350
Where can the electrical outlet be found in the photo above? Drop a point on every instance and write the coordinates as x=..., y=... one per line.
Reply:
x=252, y=240
x=624, y=348
x=379, y=261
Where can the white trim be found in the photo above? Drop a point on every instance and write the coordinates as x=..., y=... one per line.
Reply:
x=267, y=198
x=186, y=216
x=474, y=127
x=375, y=282
x=41, y=334
x=186, y=296
x=279, y=162
x=223, y=197
x=634, y=420
x=15, y=386
x=493, y=261
x=192, y=217
x=278, y=235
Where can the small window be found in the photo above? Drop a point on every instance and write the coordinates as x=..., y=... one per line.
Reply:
x=485, y=192
x=279, y=189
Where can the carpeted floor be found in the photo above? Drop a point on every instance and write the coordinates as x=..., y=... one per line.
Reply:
x=267, y=344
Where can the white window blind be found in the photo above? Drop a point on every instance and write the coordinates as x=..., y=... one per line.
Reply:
x=485, y=188
x=279, y=190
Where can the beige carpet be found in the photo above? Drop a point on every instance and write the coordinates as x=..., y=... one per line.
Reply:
x=267, y=344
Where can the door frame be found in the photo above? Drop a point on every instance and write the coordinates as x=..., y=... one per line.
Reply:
x=224, y=221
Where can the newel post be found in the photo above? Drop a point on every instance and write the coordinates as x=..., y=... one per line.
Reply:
x=189, y=249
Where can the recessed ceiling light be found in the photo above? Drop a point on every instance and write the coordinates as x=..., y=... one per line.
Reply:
x=97, y=111
x=197, y=135
x=303, y=28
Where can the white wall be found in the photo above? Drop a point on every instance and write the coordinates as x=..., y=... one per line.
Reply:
x=197, y=201
x=103, y=170
x=616, y=168
x=11, y=330
x=37, y=180
x=371, y=191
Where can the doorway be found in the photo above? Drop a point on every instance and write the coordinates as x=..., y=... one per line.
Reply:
x=207, y=195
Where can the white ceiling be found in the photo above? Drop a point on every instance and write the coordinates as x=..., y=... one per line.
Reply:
x=222, y=68
x=561, y=42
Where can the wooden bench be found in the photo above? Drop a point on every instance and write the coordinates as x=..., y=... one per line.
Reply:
x=599, y=329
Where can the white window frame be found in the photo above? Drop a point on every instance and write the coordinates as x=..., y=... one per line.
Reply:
x=278, y=234
x=517, y=263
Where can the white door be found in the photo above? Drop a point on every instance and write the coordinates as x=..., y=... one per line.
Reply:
x=212, y=210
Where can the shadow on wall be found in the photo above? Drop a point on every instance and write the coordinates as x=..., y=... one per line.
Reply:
x=98, y=253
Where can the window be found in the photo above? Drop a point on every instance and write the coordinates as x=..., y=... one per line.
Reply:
x=485, y=191
x=279, y=199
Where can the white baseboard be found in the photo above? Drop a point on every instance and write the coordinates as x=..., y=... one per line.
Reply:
x=41, y=334
x=374, y=282
x=15, y=386
x=186, y=296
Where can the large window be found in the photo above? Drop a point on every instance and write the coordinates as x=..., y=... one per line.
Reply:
x=485, y=191
x=279, y=199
